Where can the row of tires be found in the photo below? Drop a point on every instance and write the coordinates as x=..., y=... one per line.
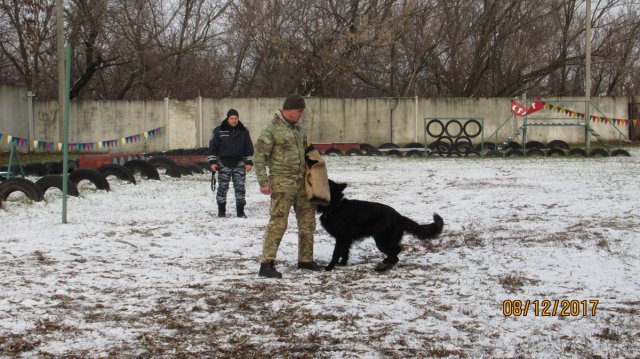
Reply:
x=463, y=147
x=35, y=191
x=42, y=168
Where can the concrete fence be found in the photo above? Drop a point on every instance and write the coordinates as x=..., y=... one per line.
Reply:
x=188, y=124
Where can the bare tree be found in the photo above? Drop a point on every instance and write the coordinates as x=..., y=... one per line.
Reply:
x=146, y=49
x=27, y=39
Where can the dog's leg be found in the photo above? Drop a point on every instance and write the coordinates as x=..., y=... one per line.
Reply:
x=338, y=251
x=345, y=256
x=388, y=244
x=386, y=264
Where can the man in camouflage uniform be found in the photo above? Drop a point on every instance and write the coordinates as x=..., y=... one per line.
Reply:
x=281, y=147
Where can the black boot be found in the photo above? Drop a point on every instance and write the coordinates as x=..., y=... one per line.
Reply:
x=268, y=270
x=222, y=208
x=310, y=266
x=240, y=210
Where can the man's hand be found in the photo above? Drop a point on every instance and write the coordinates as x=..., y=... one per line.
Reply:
x=214, y=167
x=265, y=189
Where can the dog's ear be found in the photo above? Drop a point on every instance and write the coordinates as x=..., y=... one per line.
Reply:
x=342, y=186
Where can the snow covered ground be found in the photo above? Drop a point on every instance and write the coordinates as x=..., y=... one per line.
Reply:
x=149, y=270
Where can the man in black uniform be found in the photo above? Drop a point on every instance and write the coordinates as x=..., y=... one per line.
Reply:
x=231, y=155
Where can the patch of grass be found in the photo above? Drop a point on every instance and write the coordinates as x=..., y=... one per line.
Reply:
x=514, y=283
x=14, y=344
x=608, y=334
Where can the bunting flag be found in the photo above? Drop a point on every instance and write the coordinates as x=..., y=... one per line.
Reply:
x=573, y=114
x=83, y=146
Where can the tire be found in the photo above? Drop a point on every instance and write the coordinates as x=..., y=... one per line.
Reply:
x=145, y=168
x=394, y=153
x=373, y=152
x=466, y=131
x=414, y=145
x=172, y=169
x=436, y=131
x=73, y=165
x=195, y=168
x=332, y=152
x=353, y=152
x=558, y=144
x=388, y=145
x=535, y=144
x=451, y=132
x=472, y=153
x=488, y=146
x=23, y=185
x=512, y=145
x=556, y=152
x=119, y=171
x=15, y=170
x=177, y=152
x=443, y=146
x=535, y=152
x=620, y=152
x=96, y=177
x=493, y=153
x=35, y=169
x=184, y=170
x=578, y=152
x=365, y=147
x=53, y=168
x=514, y=152
x=415, y=153
x=599, y=152
x=50, y=181
x=463, y=145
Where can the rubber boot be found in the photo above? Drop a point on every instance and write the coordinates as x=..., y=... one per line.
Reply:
x=268, y=270
x=222, y=208
x=240, y=210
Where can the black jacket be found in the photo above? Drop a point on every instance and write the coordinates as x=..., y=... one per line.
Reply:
x=230, y=145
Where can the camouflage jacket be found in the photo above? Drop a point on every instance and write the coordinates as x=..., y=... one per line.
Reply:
x=281, y=147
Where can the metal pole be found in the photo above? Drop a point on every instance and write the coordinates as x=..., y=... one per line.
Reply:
x=165, y=134
x=201, y=138
x=30, y=96
x=587, y=77
x=65, y=140
x=60, y=50
x=415, y=131
x=524, y=124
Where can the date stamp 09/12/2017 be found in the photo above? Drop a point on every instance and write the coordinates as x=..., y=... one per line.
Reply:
x=550, y=308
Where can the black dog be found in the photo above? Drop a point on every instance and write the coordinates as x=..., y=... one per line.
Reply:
x=351, y=220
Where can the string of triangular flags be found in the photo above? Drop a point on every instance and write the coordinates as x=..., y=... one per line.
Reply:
x=520, y=110
x=80, y=146
x=595, y=119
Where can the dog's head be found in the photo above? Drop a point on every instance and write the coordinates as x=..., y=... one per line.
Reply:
x=337, y=196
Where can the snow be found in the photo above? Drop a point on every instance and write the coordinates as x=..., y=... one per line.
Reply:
x=149, y=269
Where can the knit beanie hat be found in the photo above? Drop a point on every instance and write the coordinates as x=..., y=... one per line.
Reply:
x=293, y=102
x=232, y=112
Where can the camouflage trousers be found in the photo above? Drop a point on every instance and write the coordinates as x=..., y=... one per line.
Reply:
x=286, y=194
x=238, y=175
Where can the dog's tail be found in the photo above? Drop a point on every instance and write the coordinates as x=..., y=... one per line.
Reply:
x=424, y=231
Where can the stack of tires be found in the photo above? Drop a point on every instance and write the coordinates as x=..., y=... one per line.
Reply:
x=454, y=138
